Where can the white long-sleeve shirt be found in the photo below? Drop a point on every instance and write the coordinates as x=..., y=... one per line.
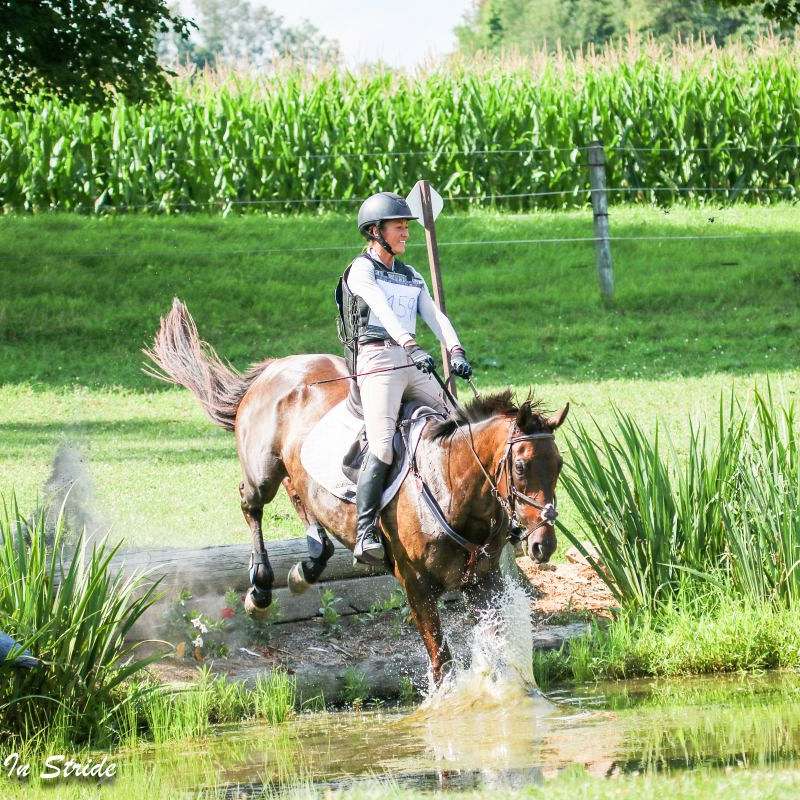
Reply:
x=394, y=302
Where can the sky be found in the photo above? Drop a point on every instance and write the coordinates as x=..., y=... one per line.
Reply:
x=402, y=33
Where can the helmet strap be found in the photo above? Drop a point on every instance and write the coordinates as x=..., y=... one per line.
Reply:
x=381, y=241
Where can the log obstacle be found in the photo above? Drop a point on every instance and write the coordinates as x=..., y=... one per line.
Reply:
x=214, y=570
x=209, y=572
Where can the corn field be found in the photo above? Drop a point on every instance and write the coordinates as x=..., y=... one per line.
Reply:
x=717, y=118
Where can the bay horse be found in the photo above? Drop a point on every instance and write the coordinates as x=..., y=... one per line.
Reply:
x=493, y=472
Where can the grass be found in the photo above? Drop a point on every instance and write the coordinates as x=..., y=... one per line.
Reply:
x=154, y=464
x=702, y=784
x=164, y=715
x=694, y=634
x=59, y=599
x=82, y=296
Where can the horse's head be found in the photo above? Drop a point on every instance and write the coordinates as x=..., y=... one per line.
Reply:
x=529, y=469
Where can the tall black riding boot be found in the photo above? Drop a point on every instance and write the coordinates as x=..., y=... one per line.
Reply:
x=371, y=479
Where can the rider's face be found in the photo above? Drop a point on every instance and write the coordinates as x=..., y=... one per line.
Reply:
x=395, y=231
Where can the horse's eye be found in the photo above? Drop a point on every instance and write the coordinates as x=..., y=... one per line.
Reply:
x=519, y=467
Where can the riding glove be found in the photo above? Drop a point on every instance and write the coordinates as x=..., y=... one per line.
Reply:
x=459, y=364
x=421, y=359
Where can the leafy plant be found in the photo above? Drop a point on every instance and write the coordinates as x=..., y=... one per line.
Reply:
x=241, y=624
x=408, y=692
x=330, y=616
x=198, y=635
x=73, y=613
x=355, y=688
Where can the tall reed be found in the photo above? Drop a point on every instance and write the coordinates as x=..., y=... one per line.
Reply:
x=726, y=514
x=73, y=613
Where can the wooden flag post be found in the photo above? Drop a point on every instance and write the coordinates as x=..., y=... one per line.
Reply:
x=428, y=202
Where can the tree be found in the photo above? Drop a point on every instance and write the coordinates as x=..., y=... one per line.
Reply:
x=236, y=31
x=786, y=12
x=533, y=24
x=84, y=49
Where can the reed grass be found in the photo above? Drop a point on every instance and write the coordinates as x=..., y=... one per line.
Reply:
x=727, y=514
x=288, y=136
x=60, y=600
x=692, y=634
x=163, y=713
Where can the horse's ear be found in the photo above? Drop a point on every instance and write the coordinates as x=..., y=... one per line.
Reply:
x=524, y=415
x=557, y=420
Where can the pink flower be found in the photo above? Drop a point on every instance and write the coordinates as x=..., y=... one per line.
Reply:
x=227, y=613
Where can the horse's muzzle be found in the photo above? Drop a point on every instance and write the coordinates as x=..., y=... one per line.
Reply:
x=542, y=544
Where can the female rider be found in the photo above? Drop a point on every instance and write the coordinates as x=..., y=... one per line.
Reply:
x=381, y=298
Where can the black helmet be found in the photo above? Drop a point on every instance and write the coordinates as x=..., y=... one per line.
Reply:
x=381, y=206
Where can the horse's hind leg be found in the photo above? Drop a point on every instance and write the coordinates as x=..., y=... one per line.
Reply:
x=259, y=595
x=320, y=547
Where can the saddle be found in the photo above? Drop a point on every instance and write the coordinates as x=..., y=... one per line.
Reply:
x=334, y=450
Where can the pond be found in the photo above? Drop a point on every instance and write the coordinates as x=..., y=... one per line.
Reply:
x=490, y=727
x=509, y=737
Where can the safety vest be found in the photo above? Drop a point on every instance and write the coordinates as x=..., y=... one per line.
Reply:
x=357, y=324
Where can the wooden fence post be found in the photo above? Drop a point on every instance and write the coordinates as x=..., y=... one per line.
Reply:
x=597, y=180
x=436, y=275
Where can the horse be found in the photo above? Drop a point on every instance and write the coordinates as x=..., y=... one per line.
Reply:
x=493, y=469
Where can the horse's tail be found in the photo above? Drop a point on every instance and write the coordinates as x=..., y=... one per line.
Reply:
x=182, y=357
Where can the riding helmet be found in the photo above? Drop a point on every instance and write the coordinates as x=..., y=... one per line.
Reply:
x=381, y=206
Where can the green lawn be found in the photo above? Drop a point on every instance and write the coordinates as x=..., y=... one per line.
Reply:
x=163, y=475
x=81, y=296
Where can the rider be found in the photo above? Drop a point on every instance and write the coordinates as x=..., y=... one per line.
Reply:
x=380, y=300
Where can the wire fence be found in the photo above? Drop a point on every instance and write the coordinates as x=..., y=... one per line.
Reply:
x=221, y=254
x=489, y=151
x=230, y=198
x=733, y=191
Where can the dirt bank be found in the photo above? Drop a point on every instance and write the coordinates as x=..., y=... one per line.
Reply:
x=380, y=654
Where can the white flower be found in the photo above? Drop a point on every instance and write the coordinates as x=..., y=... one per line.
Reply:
x=203, y=628
x=198, y=642
x=197, y=621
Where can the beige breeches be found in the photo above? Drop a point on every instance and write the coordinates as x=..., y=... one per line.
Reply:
x=382, y=393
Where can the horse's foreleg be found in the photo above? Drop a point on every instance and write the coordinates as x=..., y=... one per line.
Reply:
x=259, y=595
x=320, y=547
x=422, y=599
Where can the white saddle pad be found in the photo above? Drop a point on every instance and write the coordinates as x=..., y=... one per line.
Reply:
x=330, y=439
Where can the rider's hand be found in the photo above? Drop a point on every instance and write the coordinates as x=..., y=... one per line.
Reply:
x=459, y=364
x=421, y=359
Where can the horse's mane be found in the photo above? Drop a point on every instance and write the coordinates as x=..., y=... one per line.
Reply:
x=529, y=414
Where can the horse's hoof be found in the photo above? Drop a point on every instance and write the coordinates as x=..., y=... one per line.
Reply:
x=296, y=580
x=252, y=609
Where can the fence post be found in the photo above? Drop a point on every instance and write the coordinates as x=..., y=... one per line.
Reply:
x=597, y=180
x=436, y=274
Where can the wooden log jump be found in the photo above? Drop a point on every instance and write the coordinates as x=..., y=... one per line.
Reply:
x=214, y=570
x=209, y=572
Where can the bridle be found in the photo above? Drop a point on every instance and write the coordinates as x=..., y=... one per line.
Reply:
x=547, y=512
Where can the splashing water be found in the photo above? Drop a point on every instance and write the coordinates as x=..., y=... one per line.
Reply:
x=500, y=655
x=488, y=706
